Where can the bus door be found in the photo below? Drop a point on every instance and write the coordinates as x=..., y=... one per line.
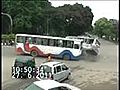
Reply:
x=26, y=43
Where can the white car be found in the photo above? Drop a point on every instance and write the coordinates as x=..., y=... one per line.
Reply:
x=54, y=70
x=50, y=85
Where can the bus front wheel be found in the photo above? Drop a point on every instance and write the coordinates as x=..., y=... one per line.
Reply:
x=34, y=53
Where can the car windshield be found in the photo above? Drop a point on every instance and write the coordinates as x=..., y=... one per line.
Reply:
x=33, y=87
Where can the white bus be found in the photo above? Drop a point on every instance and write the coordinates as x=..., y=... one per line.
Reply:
x=58, y=47
x=90, y=45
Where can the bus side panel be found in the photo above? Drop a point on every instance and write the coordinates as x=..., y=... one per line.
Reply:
x=69, y=53
x=60, y=51
x=20, y=48
x=37, y=48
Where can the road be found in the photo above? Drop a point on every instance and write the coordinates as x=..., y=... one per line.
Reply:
x=89, y=73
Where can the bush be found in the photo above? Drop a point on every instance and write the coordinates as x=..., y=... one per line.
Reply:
x=8, y=37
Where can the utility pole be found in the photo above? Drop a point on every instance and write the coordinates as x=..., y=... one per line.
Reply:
x=11, y=21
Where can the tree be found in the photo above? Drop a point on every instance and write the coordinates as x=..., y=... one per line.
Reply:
x=39, y=17
x=103, y=27
x=70, y=19
x=26, y=15
x=115, y=30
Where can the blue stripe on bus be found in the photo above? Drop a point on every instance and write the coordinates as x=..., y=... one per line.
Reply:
x=68, y=52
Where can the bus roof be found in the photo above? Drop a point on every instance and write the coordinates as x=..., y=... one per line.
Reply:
x=49, y=37
x=80, y=37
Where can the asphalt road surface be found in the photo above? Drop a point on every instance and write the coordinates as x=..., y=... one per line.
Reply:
x=89, y=73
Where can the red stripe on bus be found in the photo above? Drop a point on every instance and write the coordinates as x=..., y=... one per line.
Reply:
x=36, y=49
x=19, y=50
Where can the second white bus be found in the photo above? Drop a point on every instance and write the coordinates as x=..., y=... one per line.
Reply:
x=90, y=45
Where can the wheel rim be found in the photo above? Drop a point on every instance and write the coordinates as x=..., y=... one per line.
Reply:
x=66, y=57
x=34, y=53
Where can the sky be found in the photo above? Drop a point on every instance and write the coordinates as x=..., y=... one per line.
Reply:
x=100, y=8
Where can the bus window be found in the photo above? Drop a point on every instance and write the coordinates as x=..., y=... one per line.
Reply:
x=20, y=39
x=38, y=41
x=60, y=43
x=51, y=42
x=44, y=41
x=97, y=42
x=89, y=41
x=64, y=43
x=76, y=46
x=56, y=42
x=29, y=39
x=34, y=40
x=85, y=40
x=70, y=44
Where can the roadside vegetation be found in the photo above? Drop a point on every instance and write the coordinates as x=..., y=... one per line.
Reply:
x=40, y=17
x=107, y=29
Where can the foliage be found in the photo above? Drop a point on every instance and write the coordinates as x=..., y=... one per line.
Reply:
x=70, y=19
x=104, y=27
x=39, y=17
x=8, y=37
x=26, y=15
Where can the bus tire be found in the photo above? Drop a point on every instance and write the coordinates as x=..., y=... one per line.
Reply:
x=66, y=57
x=34, y=53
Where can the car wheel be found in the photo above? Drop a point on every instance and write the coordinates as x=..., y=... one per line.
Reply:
x=34, y=53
